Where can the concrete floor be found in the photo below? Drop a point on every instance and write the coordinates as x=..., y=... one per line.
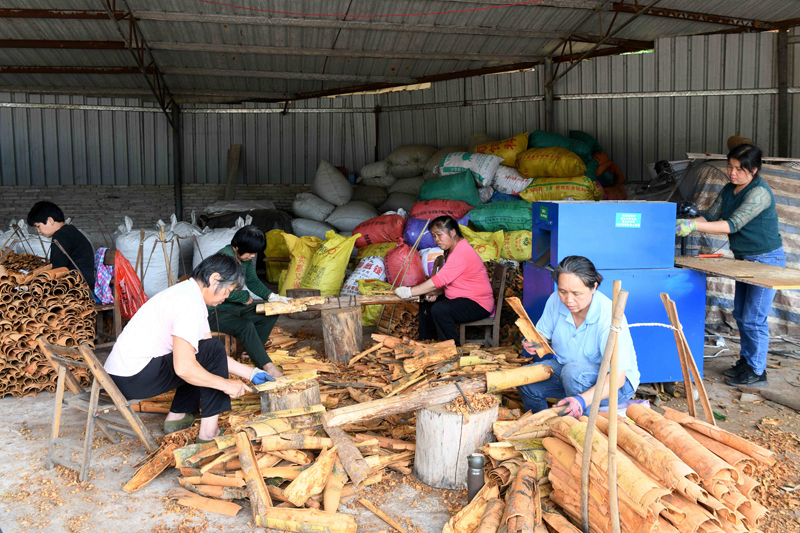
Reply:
x=35, y=499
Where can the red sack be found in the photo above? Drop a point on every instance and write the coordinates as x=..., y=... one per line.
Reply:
x=414, y=275
x=385, y=228
x=129, y=288
x=430, y=209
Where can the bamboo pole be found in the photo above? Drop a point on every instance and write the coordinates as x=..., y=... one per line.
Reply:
x=616, y=321
x=613, y=396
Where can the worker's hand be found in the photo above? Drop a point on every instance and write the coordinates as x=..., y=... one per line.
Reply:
x=272, y=370
x=234, y=388
x=258, y=377
x=684, y=227
x=277, y=298
x=249, y=301
x=530, y=347
x=575, y=406
x=403, y=292
x=431, y=297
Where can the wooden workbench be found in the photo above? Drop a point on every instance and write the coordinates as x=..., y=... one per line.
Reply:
x=768, y=276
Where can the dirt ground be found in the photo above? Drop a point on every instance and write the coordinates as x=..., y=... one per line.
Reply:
x=35, y=499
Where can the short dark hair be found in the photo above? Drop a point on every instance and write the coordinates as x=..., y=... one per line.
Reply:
x=446, y=222
x=581, y=267
x=249, y=240
x=748, y=155
x=43, y=210
x=228, y=268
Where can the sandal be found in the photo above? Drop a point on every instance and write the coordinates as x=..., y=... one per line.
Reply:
x=172, y=426
x=198, y=440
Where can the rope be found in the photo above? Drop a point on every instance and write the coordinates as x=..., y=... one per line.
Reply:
x=653, y=324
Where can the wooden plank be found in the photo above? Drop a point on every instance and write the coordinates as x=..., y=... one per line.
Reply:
x=768, y=276
x=233, y=171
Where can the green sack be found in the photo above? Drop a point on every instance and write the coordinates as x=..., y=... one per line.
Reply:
x=507, y=216
x=606, y=179
x=590, y=141
x=545, y=139
x=591, y=169
x=454, y=187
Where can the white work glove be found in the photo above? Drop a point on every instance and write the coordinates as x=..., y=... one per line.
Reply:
x=277, y=298
x=403, y=292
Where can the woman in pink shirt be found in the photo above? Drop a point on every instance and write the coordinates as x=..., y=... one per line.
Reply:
x=460, y=292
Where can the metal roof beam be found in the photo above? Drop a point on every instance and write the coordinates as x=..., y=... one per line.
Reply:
x=55, y=14
x=73, y=45
x=181, y=95
x=622, y=7
x=44, y=69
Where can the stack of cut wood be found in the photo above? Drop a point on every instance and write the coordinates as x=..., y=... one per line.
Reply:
x=400, y=320
x=677, y=474
x=55, y=304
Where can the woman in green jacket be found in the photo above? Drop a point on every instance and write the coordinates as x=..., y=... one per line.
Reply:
x=745, y=211
x=237, y=314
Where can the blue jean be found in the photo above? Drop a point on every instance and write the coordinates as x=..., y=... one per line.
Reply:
x=751, y=307
x=570, y=379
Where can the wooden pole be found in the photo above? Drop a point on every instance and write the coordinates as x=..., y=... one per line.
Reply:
x=162, y=238
x=613, y=396
x=616, y=321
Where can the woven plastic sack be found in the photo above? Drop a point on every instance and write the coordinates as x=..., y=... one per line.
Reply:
x=328, y=265
x=399, y=275
x=369, y=287
x=517, y=246
x=486, y=244
x=551, y=190
x=376, y=175
x=414, y=227
x=477, y=139
x=303, y=227
x=371, y=267
x=347, y=217
x=584, y=137
x=131, y=295
x=591, y=169
x=301, y=250
x=379, y=250
x=156, y=277
x=485, y=194
x=407, y=186
x=546, y=139
x=397, y=201
x=509, y=181
x=312, y=207
x=276, y=247
x=409, y=160
x=385, y=228
x=500, y=197
x=508, y=149
x=431, y=209
x=331, y=185
x=507, y=216
x=555, y=162
x=374, y=196
x=428, y=172
x=459, y=187
x=483, y=166
x=428, y=257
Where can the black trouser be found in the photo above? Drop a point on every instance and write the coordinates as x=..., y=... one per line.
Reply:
x=245, y=324
x=159, y=377
x=443, y=316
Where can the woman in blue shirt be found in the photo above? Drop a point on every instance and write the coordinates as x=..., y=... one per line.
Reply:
x=577, y=322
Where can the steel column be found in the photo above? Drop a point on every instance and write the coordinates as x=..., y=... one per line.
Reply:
x=784, y=113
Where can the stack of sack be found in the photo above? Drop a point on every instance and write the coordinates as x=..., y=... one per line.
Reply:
x=150, y=249
x=608, y=175
x=314, y=263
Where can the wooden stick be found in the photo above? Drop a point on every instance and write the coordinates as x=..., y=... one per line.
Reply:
x=613, y=396
x=616, y=322
x=365, y=353
x=162, y=237
x=380, y=514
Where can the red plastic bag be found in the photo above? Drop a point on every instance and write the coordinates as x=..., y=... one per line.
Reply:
x=430, y=209
x=131, y=293
x=385, y=228
x=414, y=275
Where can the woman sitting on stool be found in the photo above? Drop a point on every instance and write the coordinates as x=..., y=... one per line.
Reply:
x=577, y=319
x=460, y=292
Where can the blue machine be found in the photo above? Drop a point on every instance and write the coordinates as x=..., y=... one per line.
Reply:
x=633, y=242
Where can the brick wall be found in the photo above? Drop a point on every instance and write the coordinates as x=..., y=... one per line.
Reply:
x=99, y=209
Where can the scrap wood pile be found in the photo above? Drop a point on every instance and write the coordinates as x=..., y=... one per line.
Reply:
x=399, y=320
x=53, y=303
x=675, y=473
x=509, y=333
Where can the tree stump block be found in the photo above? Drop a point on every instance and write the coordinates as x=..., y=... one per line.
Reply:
x=342, y=332
x=445, y=440
x=303, y=293
x=304, y=394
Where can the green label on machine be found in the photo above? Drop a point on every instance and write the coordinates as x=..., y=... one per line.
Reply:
x=543, y=212
x=629, y=220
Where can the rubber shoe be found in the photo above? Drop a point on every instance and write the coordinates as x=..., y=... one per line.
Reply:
x=749, y=378
x=736, y=369
x=198, y=440
x=176, y=425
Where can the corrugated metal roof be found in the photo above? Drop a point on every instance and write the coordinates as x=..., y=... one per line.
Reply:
x=421, y=53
